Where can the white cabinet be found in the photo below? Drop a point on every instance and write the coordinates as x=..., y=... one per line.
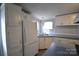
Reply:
x=16, y=51
x=14, y=36
x=30, y=35
x=65, y=20
x=45, y=42
x=48, y=42
x=41, y=43
x=58, y=21
x=66, y=41
x=31, y=49
x=13, y=15
x=30, y=30
x=14, y=41
x=13, y=29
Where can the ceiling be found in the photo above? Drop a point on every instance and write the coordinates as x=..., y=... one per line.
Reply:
x=47, y=11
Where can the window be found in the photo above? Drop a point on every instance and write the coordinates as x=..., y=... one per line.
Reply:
x=47, y=27
x=44, y=27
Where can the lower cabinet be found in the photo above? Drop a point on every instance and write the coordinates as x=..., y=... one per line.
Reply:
x=41, y=43
x=15, y=51
x=31, y=49
x=48, y=42
x=45, y=42
x=66, y=41
x=14, y=41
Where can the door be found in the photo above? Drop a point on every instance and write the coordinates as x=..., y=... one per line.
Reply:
x=31, y=49
x=30, y=30
x=13, y=15
x=41, y=43
x=14, y=40
x=48, y=42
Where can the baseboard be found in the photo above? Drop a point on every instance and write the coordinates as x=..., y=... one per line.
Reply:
x=42, y=49
x=36, y=54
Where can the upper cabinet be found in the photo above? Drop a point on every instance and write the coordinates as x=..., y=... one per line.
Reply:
x=77, y=19
x=65, y=20
x=13, y=14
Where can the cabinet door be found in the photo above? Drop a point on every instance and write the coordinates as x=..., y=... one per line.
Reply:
x=30, y=30
x=69, y=19
x=16, y=51
x=25, y=27
x=41, y=43
x=14, y=40
x=58, y=21
x=48, y=42
x=45, y=42
x=31, y=49
x=13, y=14
x=65, y=19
